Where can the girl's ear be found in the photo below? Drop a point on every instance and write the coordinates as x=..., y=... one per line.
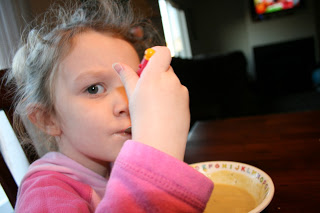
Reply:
x=44, y=120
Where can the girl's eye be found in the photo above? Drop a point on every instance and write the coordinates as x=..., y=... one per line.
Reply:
x=95, y=89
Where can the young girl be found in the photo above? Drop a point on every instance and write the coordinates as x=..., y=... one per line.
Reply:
x=77, y=85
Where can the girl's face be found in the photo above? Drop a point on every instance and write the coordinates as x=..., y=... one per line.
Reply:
x=91, y=102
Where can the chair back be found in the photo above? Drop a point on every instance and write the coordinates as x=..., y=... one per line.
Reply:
x=14, y=163
x=13, y=160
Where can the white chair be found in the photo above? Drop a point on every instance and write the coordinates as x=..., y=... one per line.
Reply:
x=13, y=161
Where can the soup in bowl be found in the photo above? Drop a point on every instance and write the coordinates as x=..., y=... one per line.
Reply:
x=238, y=187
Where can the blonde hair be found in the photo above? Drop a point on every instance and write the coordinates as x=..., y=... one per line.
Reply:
x=35, y=64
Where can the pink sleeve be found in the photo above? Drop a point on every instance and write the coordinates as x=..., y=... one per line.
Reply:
x=49, y=191
x=144, y=179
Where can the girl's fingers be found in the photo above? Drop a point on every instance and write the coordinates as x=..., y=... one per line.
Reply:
x=128, y=77
x=160, y=61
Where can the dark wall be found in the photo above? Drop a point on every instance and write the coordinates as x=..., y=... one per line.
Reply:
x=218, y=27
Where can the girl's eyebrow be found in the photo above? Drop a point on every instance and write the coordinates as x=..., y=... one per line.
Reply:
x=90, y=74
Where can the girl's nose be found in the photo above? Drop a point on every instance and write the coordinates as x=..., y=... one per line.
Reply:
x=121, y=104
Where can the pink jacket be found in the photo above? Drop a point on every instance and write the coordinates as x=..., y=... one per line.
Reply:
x=143, y=179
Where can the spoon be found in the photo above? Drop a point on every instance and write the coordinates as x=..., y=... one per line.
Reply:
x=128, y=130
x=147, y=55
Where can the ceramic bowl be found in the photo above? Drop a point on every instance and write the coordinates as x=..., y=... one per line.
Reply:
x=253, y=180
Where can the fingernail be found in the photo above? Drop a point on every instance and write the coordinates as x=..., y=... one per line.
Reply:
x=117, y=67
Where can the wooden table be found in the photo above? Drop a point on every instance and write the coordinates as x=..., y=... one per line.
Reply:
x=285, y=146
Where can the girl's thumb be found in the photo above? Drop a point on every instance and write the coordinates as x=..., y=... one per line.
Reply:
x=128, y=77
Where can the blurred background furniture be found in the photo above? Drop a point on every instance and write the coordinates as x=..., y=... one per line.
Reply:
x=219, y=86
x=7, y=182
x=13, y=161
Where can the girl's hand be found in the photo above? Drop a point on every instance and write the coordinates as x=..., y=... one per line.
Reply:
x=158, y=104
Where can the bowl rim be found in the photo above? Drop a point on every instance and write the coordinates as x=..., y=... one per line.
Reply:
x=270, y=193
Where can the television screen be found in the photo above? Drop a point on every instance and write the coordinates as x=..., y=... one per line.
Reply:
x=263, y=9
